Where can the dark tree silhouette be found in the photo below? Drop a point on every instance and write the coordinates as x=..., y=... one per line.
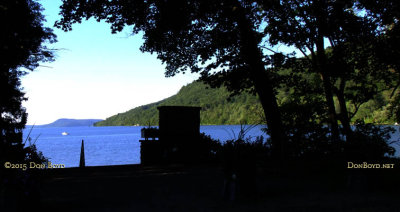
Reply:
x=218, y=39
x=308, y=25
x=22, y=46
x=228, y=42
x=386, y=14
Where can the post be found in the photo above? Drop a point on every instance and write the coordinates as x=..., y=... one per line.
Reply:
x=82, y=159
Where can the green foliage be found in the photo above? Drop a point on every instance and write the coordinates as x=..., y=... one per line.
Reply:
x=377, y=110
x=217, y=107
x=229, y=43
x=220, y=40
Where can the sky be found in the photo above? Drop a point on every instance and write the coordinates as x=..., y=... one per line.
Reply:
x=95, y=74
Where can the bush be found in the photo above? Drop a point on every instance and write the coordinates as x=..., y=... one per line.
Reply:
x=204, y=149
x=240, y=159
x=369, y=142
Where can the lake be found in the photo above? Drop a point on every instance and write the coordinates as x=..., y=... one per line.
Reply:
x=118, y=145
x=109, y=145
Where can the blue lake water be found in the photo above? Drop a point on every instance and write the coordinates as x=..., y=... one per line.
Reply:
x=109, y=145
x=118, y=145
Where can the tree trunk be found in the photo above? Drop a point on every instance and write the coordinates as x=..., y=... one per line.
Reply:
x=344, y=115
x=321, y=58
x=271, y=111
x=262, y=83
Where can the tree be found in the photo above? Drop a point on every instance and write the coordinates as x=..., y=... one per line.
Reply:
x=309, y=26
x=23, y=40
x=221, y=40
x=22, y=46
x=386, y=14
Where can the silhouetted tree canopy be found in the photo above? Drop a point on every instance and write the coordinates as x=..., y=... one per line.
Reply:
x=350, y=70
x=198, y=36
x=386, y=14
x=22, y=46
x=231, y=43
x=218, y=39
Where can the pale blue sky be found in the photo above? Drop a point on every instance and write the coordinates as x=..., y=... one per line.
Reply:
x=96, y=74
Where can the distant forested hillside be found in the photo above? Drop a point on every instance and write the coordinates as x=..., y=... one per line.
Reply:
x=241, y=109
x=216, y=108
x=72, y=123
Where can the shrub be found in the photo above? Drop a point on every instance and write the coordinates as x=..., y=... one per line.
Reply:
x=369, y=142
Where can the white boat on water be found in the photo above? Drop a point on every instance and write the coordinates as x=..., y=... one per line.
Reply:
x=64, y=133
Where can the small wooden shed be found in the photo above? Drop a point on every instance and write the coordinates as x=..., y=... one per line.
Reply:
x=179, y=127
x=177, y=122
